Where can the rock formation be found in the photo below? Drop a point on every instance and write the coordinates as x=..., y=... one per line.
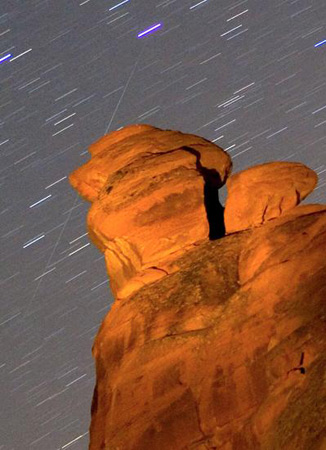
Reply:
x=151, y=192
x=217, y=335
x=264, y=192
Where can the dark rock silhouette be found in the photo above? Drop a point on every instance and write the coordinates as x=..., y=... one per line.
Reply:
x=217, y=336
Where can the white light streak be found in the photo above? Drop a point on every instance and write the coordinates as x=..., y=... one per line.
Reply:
x=79, y=378
x=10, y=318
x=237, y=15
x=25, y=157
x=74, y=440
x=216, y=139
x=40, y=438
x=319, y=109
x=195, y=84
x=228, y=101
x=4, y=32
x=295, y=107
x=50, y=185
x=243, y=151
x=253, y=103
x=40, y=276
x=321, y=123
x=197, y=4
x=21, y=54
x=63, y=129
x=119, y=4
x=79, y=237
x=38, y=87
x=27, y=84
x=245, y=87
x=231, y=121
x=320, y=43
x=237, y=4
x=40, y=201
x=149, y=30
x=4, y=58
x=117, y=18
x=65, y=118
x=230, y=31
x=260, y=134
x=112, y=92
x=20, y=365
x=78, y=249
x=51, y=397
x=240, y=32
x=276, y=132
x=55, y=115
x=76, y=276
x=209, y=59
x=65, y=95
x=83, y=100
x=103, y=282
x=33, y=241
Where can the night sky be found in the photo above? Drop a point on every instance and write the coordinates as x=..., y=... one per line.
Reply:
x=248, y=75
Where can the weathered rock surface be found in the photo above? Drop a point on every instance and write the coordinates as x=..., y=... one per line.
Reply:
x=151, y=191
x=264, y=192
x=225, y=351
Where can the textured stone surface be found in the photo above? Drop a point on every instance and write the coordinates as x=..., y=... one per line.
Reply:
x=204, y=360
x=227, y=349
x=264, y=192
x=152, y=194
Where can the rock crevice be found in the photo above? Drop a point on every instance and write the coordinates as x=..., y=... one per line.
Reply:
x=217, y=335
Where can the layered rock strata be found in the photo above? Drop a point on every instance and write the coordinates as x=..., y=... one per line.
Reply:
x=217, y=335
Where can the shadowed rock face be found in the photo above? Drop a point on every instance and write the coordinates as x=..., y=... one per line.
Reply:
x=227, y=349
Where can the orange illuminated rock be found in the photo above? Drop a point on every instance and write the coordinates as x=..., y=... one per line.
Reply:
x=261, y=193
x=226, y=351
x=154, y=194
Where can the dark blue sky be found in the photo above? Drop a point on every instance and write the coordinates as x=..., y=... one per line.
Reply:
x=245, y=74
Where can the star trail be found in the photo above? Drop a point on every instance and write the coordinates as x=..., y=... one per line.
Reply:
x=246, y=74
x=5, y=57
x=149, y=30
x=320, y=43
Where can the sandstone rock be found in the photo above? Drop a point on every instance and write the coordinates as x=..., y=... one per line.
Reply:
x=203, y=360
x=261, y=193
x=154, y=194
x=227, y=349
x=89, y=179
x=270, y=246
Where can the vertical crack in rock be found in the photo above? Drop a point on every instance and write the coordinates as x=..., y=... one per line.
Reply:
x=264, y=213
x=257, y=295
x=280, y=205
x=213, y=207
